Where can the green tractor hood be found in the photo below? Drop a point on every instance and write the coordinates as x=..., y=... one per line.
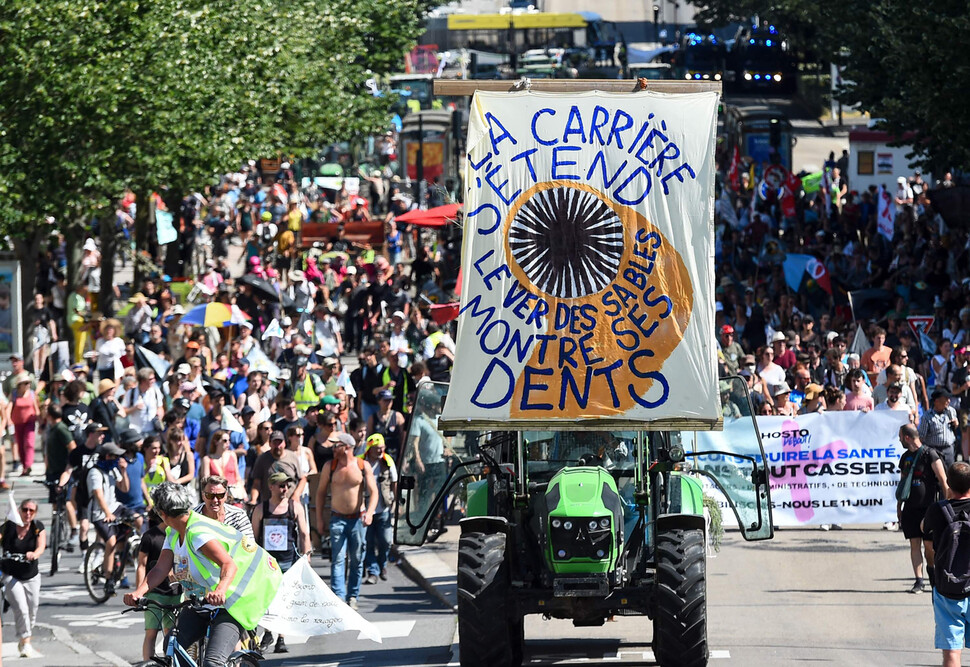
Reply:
x=583, y=525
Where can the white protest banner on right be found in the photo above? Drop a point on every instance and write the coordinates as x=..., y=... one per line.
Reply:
x=825, y=468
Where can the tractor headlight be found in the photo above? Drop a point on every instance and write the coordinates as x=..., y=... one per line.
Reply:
x=562, y=554
x=556, y=523
x=687, y=76
x=777, y=77
x=593, y=524
x=568, y=525
x=747, y=76
x=604, y=523
x=717, y=77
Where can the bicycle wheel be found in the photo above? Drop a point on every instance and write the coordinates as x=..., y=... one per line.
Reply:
x=93, y=575
x=56, y=531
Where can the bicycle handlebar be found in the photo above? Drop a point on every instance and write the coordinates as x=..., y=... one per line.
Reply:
x=19, y=558
x=144, y=603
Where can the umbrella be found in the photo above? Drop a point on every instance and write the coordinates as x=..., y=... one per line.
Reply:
x=214, y=315
x=145, y=358
x=438, y=216
x=266, y=289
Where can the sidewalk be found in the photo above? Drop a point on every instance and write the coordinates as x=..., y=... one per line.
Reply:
x=434, y=566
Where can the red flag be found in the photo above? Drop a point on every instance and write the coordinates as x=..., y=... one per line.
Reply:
x=787, y=203
x=444, y=312
x=819, y=274
x=734, y=175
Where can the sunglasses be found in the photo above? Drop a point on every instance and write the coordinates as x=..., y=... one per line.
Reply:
x=29, y=510
x=215, y=496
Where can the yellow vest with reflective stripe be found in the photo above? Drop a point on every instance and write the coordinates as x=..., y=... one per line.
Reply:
x=257, y=578
x=305, y=396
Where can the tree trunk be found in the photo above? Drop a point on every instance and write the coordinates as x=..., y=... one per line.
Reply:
x=73, y=240
x=143, y=218
x=109, y=247
x=26, y=252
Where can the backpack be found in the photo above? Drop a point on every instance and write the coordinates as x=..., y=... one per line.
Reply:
x=953, y=554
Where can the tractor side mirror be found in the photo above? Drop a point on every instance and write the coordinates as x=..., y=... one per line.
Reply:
x=406, y=483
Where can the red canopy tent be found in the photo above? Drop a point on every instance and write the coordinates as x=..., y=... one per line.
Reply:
x=432, y=217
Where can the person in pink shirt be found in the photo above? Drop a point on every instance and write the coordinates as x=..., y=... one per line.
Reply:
x=858, y=396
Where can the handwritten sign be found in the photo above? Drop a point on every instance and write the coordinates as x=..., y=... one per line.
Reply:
x=588, y=255
x=305, y=606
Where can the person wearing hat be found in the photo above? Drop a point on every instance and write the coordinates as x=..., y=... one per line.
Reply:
x=104, y=479
x=138, y=321
x=939, y=427
x=729, y=353
x=814, y=400
x=281, y=529
x=23, y=411
x=781, y=405
x=377, y=543
x=784, y=356
x=110, y=349
x=354, y=498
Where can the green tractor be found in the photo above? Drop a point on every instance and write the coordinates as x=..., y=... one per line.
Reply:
x=581, y=525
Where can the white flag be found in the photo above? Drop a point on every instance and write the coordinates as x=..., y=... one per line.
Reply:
x=274, y=330
x=13, y=516
x=305, y=607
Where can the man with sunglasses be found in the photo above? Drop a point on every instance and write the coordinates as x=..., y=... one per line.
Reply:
x=215, y=505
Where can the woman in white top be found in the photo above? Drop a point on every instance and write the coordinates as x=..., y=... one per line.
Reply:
x=942, y=364
x=771, y=373
x=110, y=350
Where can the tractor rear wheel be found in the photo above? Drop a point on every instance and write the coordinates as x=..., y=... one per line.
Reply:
x=680, y=622
x=486, y=636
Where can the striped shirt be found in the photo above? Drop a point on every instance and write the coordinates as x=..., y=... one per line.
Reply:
x=935, y=430
x=235, y=518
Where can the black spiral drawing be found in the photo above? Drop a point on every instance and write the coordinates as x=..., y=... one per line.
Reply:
x=567, y=241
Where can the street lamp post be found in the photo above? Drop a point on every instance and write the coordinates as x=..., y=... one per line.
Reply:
x=656, y=23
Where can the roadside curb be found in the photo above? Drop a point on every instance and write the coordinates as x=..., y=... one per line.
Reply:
x=419, y=564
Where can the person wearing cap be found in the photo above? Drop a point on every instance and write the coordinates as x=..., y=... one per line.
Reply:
x=79, y=461
x=388, y=423
x=277, y=459
x=814, y=400
x=240, y=381
x=281, y=528
x=784, y=356
x=903, y=197
x=729, y=353
x=939, y=427
x=354, y=498
x=377, y=543
x=107, y=476
x=398, y=340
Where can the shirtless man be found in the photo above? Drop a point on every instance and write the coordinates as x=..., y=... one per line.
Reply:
x=349, y=476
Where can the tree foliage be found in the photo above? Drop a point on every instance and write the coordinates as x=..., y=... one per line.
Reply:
x=902, y=62
x=108, y=94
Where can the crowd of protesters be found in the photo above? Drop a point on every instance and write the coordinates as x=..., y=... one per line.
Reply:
x=242, y=413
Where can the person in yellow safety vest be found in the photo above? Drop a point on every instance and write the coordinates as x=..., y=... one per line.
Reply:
x=216, y=563
x=308, y=389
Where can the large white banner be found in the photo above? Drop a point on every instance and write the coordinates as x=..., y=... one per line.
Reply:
x=588, y=259
x=831, y=467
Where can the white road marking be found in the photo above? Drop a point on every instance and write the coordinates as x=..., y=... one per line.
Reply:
x=107, y=619
x=391, y=629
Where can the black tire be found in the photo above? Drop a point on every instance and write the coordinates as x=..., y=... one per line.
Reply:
x=680, y=621
x=485, y=630
x=93, y=573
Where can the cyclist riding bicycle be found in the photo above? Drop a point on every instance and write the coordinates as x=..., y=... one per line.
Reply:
x=237, y=579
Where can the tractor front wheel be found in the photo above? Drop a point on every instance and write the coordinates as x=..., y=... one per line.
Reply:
x=680, y=621
x=486, y=634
